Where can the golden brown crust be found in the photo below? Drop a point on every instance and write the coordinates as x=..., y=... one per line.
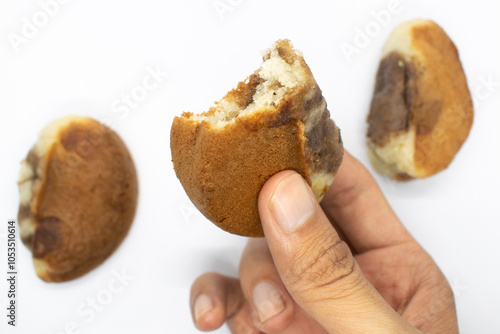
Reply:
x=442, y=87
x=223, y=169
x=83, y=201
x=420, y=92
x=221, y=175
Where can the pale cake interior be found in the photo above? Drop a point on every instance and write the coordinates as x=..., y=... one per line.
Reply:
x=277, y=79
x=397, y=156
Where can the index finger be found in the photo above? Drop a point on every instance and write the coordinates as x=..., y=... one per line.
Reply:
x=356, y=204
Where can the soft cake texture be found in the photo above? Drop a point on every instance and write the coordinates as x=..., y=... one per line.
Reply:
x=78, y=194
x=274, y=120
x=421, y=112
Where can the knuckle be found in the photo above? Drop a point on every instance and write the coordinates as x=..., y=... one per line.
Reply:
x=205, y=280
x=324, y=264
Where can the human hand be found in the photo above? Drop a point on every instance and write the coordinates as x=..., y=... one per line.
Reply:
x=347, y=266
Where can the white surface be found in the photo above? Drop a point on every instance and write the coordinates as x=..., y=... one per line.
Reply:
x=91, y=52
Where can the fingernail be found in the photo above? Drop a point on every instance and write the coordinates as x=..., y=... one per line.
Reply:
x=292, y=203
x=267, y=300
x=202, y=305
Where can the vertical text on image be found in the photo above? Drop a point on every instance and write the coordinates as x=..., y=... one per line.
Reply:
x=12, y=291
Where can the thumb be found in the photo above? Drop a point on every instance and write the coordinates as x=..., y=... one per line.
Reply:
x=316, y=266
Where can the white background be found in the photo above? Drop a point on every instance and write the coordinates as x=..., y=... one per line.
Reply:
x=91, y=52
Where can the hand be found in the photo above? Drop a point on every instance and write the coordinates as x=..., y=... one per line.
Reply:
x=347, y=266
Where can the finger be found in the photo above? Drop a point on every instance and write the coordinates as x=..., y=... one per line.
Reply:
x=240, y=323
x=356, y=203
x=257, y=268
x=215, y=298
x=316, y=266
x=272, y=308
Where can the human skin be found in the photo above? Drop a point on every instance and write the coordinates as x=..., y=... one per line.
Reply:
x=345, y=266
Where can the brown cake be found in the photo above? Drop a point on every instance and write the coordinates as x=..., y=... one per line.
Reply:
x=274, y=120
x=78, y=194
x=421, y=112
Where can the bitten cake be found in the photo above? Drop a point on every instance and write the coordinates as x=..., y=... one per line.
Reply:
x=274, y=120
x=78, y=194
x=421, y=112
